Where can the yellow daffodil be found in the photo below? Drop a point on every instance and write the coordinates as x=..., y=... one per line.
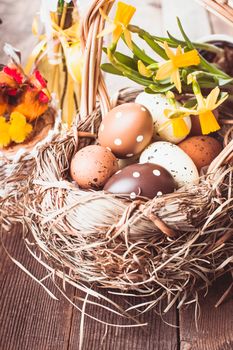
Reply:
x=178, y=59
x=175, y=116
x=5, y=138
x=19, y=128
x=118, y=26
x=205, y=107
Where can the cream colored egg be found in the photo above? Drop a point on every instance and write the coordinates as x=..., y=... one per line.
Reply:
x=174, y=160
x=156, y=104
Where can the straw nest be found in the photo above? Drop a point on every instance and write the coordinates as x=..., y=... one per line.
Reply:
x=167, y=248
x=17, y=163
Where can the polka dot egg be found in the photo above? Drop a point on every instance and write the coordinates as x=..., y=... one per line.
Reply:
x=174, y=160
x=144, y=180
x=126, y=130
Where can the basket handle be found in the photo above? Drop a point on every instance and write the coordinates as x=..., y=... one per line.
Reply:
x=93, y=85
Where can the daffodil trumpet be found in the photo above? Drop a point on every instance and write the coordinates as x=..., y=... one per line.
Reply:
x=206, y=106
x=119, y=25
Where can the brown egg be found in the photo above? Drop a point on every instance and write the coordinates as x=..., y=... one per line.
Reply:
x=145, y=180
x=92, y=166
x=126, y=130
x=196, y=126
x=201, y=149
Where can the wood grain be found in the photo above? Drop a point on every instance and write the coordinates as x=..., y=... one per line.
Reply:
x=29, y=318
x=215, y=326
x=156, y=335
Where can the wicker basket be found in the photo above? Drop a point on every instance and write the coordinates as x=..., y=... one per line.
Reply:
x=166, y=248
x=222, y=8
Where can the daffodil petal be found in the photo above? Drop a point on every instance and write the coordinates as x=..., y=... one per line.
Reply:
x=111, y=27
x=208, y=123
x=179, y=50
x=221, y=101
x=164, y=71
x=212, y=98
x=169, y=52
x=128, y=39
x=175, y=78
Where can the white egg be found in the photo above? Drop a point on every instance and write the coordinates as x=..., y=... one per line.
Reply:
x=156, y=104
x=173, y=159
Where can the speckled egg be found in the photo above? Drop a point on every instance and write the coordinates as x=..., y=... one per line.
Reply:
x=126, y=130
x=174, y=160
x=201, y=149
x=144, y=180
x=92, y=166
x=156, y=104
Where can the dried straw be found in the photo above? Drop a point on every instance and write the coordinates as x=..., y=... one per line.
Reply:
x=164, y=250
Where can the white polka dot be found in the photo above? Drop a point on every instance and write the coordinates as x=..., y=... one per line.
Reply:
x=118, y=172
x=109, y=149
x=159, y=193
x=119, y=114
x=129, y=155
x=140, y=138
x=143, y=109
x=156, y=172
x=117, y=142
x=102, y=128
x=136, y=174
x=133, y=195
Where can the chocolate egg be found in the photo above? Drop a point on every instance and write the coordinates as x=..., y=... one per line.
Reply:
x=201, y=149
x=157, y=104
x=174, y=160
x=126, y=130
x=92, y=166
x=145, y=180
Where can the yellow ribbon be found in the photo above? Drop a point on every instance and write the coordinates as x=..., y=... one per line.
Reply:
x=67, y=42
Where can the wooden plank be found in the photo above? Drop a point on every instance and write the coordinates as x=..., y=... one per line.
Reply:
x=29, y=317
x=215, y=326
x=156, y=335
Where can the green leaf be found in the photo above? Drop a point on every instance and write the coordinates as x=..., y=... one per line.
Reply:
x=188, y=42
x=155, y=47
x=161, y=88
x=109, y=68
x=128, y=61
x=140, y=54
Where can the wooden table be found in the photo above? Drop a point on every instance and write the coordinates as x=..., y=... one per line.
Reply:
x=30, y=319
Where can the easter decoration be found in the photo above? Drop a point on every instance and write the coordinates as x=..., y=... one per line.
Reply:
x=137, y=202
x=31, y=99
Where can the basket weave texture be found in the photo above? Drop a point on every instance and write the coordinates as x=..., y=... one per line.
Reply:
x=167, y=248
